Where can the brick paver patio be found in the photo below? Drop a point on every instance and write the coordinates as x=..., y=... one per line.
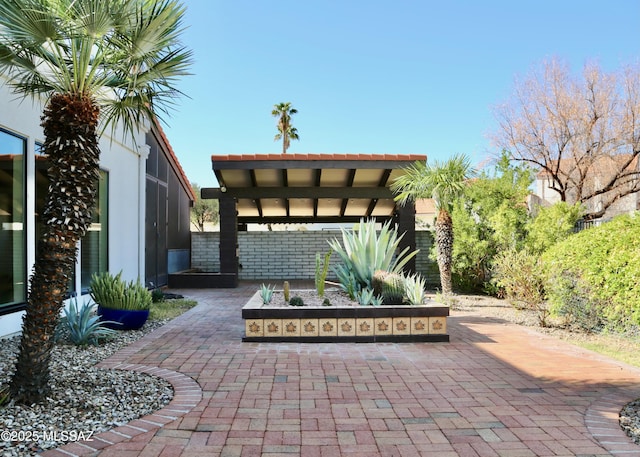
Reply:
x=495, y=390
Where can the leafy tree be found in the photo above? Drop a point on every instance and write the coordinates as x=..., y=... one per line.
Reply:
x=94, y=61
x=203, y=210
x=552, y=224
x=582, y=134
x=445, y=183
x=490, y=217
x=286, y=132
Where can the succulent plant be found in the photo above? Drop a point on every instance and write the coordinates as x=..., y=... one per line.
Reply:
x=296, y=301
x=415, y=289
x=390, y=286
x=84, y=325
x=368, y=297
x=287, y=291
x=266, y=293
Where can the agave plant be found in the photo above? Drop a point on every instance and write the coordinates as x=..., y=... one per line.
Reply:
x=84, y=325
x=364, y=250
x=414, y=286
x=266, y=293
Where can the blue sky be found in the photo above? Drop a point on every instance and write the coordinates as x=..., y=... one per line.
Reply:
x=396, y=77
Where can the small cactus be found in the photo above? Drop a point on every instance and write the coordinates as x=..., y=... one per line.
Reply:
x=287, y=291
x=296, y=301
x=390, y=286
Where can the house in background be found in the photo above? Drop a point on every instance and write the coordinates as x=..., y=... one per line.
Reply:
x=141, y=221
x=598, y=174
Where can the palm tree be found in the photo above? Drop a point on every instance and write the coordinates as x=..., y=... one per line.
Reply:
x=444, y=182
x=286, y=131
x=95, y=63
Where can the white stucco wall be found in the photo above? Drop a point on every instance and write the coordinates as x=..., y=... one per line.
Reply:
x=126, y=193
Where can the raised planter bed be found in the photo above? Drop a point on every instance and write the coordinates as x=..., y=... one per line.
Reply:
x=361, y=324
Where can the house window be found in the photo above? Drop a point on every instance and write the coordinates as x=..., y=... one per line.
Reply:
x=93, y=246
x=12, y=236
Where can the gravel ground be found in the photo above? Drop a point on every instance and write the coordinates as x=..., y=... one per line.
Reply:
x=87, y=399
x=84, y=398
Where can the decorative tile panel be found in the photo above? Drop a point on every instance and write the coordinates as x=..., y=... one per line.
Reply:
x=365, y=327
x=253, y=327
x=419, y=325
x=309, y=327
x=273, y=327
x=346, y=327
x=437, y=325
x=328, y=327
x=401, y=325
x=290, y=327
x=383, y=326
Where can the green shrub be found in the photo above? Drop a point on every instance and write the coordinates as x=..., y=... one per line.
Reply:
x=365, y=250
x=157, y=295
x=605, y=263
x=552, y=224
x=576, y=305
x=84, y=325
x=520, y=275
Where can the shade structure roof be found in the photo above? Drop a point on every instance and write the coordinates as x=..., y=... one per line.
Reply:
x=272, y=188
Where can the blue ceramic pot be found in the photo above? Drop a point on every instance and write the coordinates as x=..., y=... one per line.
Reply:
x=123, y=319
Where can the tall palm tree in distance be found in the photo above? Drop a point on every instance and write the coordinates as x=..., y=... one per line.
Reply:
x=95, y=63
x=444, y=182
x=286, y=132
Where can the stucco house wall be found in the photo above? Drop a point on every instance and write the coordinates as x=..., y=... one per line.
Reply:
x=124, y=164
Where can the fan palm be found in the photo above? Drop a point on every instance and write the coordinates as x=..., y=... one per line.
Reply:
x=286, y=131
x=444, y=182
x=95, y=63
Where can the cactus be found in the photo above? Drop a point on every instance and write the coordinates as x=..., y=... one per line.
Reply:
x=321, y=272
x=296, y=301
x=287, y=291
x=390, y=286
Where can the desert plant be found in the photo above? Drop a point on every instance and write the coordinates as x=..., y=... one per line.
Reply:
x=414, y=287
x=326, y=302
x=84, y=325
x=519, y=274
x=112, y=292
x=286, y=291
x=266, y=292
x=364, y=250
x=321, y=272
x=364, y=297
x=296, y=301
x=157, y=295
x=390, y=286
x=348, y=282
x=377, y=300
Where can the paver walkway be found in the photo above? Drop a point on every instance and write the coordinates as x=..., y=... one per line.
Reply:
x=495, y=390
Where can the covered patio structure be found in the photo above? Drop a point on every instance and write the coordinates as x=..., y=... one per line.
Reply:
x=304, y=188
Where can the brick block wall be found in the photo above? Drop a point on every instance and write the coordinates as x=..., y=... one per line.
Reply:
x=289, y=255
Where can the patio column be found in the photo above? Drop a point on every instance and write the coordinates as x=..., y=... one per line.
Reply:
x=406, y=221
x=229, y=260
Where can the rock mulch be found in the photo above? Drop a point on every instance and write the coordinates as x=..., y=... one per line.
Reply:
x=84, y=399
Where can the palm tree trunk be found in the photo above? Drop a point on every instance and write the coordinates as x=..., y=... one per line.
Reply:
x=444, y=248
x=71, y=146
